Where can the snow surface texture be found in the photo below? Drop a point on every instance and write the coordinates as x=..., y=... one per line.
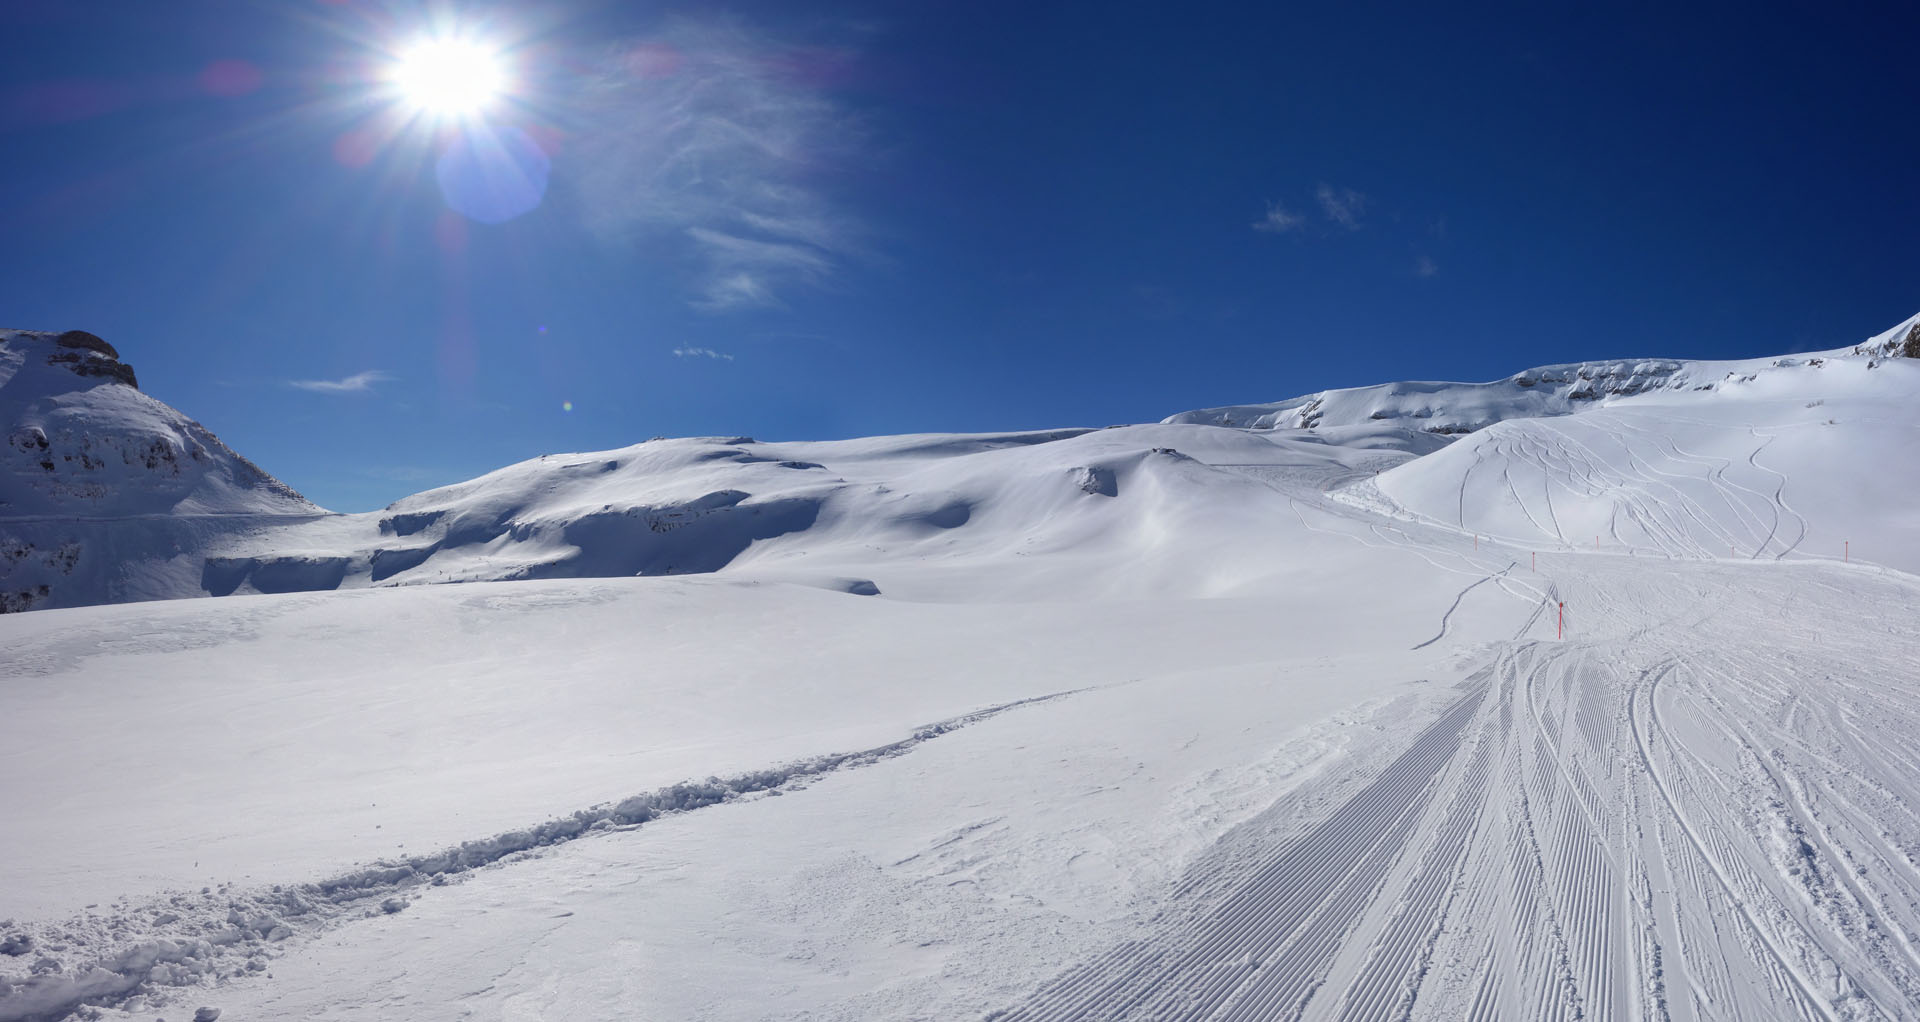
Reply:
x=1225, y=723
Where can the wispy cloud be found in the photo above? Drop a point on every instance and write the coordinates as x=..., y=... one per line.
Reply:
x=1279, y=220
x=358, y=383
x=1343, y=206
x=744, y=270
x=712, y=138
x=1424, y=266
x=702, y=353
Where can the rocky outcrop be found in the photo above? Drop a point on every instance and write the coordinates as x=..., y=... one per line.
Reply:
x=87, y=342
x=1902, y=341
x=1451, y=409
x=86, y=355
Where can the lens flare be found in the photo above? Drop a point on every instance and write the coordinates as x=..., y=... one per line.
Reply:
x=450, y=77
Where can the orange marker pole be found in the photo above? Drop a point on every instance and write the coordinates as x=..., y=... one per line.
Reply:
x=1560, y=630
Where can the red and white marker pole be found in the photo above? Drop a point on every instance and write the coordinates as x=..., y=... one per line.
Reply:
x=1560, y=630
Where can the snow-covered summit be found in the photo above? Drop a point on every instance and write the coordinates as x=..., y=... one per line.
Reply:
x=82, y=440
x=1902, y=341
x=84, y=448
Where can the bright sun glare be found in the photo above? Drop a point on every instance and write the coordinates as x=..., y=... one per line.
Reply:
x=450, y=77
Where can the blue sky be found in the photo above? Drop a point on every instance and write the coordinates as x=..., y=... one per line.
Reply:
x=814, y=220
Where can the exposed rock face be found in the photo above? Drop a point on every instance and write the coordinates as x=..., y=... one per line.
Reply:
x=90, y=342
x=1902, y=341
x=86, y=355
x=1451, y=409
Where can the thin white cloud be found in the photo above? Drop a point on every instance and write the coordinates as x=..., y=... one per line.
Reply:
x=702, y=353
x=1279, y=220
x=709, y=141
x=1343, y=206
x=746, y=271
x=358, y=383
x=1424, y=266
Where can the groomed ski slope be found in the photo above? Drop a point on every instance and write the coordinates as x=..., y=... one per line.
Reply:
x=1689, y=809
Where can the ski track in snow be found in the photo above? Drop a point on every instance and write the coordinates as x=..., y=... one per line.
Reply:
x=182, y=938
x=1678, y=813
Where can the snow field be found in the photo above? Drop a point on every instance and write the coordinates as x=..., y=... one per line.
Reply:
x=943, y=883
x=1698, y=806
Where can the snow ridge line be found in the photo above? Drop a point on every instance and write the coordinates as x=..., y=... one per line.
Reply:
x=179, y=939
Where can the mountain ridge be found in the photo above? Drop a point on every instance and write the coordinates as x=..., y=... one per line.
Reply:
x=1453, y=408
x=112, y=496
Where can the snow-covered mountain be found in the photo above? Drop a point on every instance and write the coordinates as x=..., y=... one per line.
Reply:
x=1902, y=341
x=1450, y=409
x=113, y=496
x=107, y=494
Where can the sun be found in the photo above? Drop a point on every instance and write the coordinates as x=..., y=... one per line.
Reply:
x=450, y=77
